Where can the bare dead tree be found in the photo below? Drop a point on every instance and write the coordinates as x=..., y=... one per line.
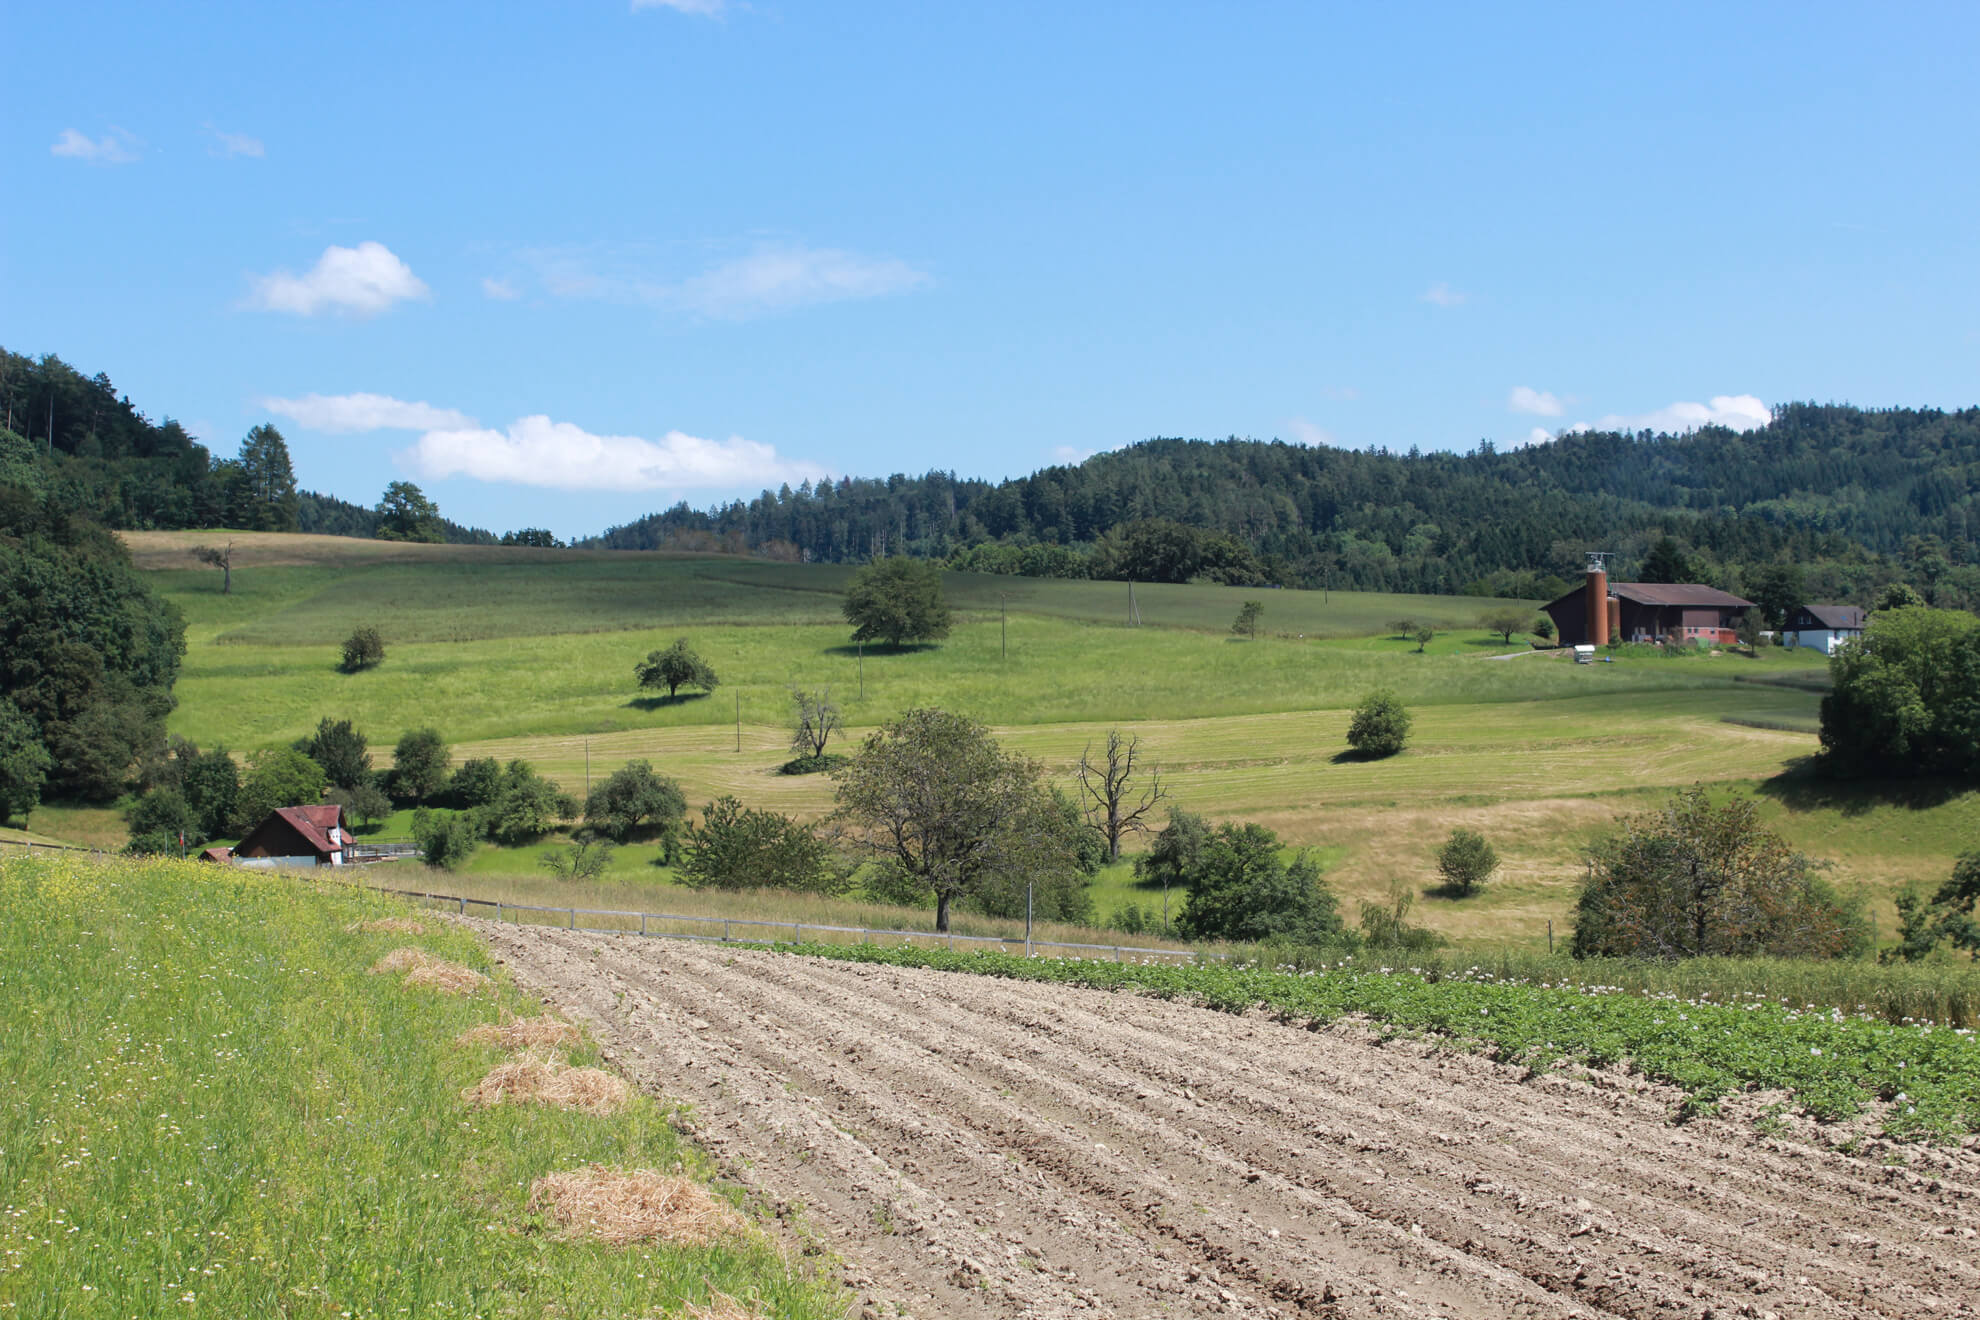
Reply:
x=817, y=719
x=222, y=559
x=1115, y=804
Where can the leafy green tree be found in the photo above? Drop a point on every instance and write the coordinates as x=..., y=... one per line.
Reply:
x=585, y=857
x=1665, y=563
x=897, y=601
x=526, y=807
x=1506, y=620
x=1950, y=916
x=419, y=765
x=1543, y=627
x=1777, y=590
x=1905, y=697
x=1695, y=879
x=24, y=764
x=446, y=839
x=1424, y=636
x=1241, y=889
x=341, y=750
x=277, y=777
x=533, y=536
x=737, y=847
x=675, y=668
x=1380, y=725
x=1752, y=624
x=363, y=649
x=932, y=796
x=365, y=804
x=477, y=783
x=220, y=557
x=634, y=800
x=405, y=514
x=1246, y=623
x=1386, y=925
x=158, y=822
x=1900, y=596
x=1466, y=861
x=211, y=783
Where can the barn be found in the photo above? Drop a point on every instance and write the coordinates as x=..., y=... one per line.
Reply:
x=1678, y=613
x=1823, y=627
x=296, y=836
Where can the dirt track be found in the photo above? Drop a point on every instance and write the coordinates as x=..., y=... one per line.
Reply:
x=976, y=1147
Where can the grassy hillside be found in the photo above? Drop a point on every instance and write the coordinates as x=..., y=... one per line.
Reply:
x=529, y=653
x=209, y=1108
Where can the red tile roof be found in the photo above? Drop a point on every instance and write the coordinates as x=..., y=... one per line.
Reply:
x=314, y=823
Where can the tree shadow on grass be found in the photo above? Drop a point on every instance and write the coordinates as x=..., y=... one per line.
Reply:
x=661, y=703
x=884, y=648
x=1352, y=756
x=1806, y=785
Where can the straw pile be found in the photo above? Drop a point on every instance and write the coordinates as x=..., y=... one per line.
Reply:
x=514, y=1033
x=546, y=1080
x=721, y=1306
x=620, y=1207
x=402, y=960
x=423, y=969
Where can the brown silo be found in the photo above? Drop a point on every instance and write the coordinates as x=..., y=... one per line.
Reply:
x=1595, y=606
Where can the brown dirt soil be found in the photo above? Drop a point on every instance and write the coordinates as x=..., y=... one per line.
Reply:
x=624, y=1206
x=539, y=1079
x=980, y=1147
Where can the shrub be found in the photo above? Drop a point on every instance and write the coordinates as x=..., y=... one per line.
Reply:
x=363, y=649
x=477, y=783
x=1380, y=725
x=446, y=839
x=585, y=857
x=158, y=820
x=419, y=765
x=1241, y=889
x=364, y=804
x=634, y=800
x=526, y=806
x=737, y=847
x=1385, y=925
x=1466, y=861
x=1543, y=627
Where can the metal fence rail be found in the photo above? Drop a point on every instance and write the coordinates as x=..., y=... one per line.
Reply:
x=730, y=925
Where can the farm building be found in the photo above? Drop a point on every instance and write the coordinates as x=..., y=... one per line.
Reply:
x=1599, y=611
x=294, y=836
x=1823, y=627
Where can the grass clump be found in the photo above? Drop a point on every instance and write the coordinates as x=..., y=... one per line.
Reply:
x=207, y=1108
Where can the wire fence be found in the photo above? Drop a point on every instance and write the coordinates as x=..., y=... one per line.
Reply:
x=763, y=931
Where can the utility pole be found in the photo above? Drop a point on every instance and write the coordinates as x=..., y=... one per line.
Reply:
x=1003, y=629
x=739, y=721
x=862, y=671
x=1027, y=918
x=587, y=767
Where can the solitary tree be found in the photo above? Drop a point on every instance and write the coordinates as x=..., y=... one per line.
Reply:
x=1505, y=620
x=934, y=798
x=264, y=483
x=897, y=600
x=405, y=514
x=1425, y=634
x=1380, y=725
x=675, y=668
x=1246, y=624
x=814, y=722
x=222, y=558
x=1116, y=804
x=1694, y=880
x=363, y=649
x=635, y=800
x=1466, y=861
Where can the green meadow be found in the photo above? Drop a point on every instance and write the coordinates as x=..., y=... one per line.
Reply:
x=529, y=653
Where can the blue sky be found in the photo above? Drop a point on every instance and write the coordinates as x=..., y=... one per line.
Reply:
x=563, y=264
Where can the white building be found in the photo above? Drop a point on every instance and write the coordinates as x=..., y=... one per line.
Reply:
x=1823, y=627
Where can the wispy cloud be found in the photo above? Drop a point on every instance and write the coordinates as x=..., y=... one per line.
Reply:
x=536, y=451
x=344, y=413
x=771, y=278
x=236, y=144
x=700, y=8
x=116, y=147
x=1443, y=295
x=1735, y=412
x=499, y=290
x=362, y=281
x=1307, y=433
x=1071, y=455
x=1541, y=403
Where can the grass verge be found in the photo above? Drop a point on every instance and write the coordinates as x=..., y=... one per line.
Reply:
x=209, y=1108
x=1924, y=1081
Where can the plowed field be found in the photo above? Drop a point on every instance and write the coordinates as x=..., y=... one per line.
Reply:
x=977, y=1147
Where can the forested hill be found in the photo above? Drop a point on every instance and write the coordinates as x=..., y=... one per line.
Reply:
x=99, y=457
x=1856, y=498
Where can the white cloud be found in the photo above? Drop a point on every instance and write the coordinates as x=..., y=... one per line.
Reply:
x=1526, y=399
x=1309, y=434
x=777, y=279
x=535, y=451
x=114, y=148
x=362, y=280
x=1539, y=435
x=1736, y=412
x=341, y=413
x=1443, y=295
x=1071, y=455
x=236, y=144
x=500, y=290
